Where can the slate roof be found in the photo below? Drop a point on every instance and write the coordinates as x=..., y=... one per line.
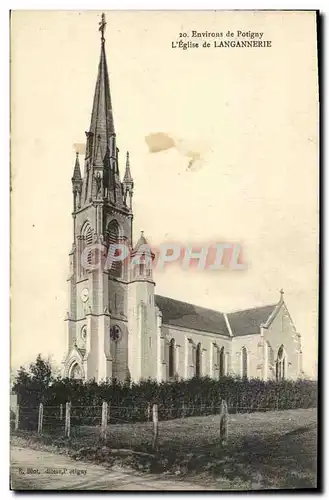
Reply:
x=182, y=314
x=177, y=313
x=248, y=321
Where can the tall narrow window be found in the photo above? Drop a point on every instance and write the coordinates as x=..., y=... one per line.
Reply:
x=244, y=364
x=86, y=240
x=198, y=361
x=115, y=266
x=221, y=362
x=270, y=360
x=280, y=368
x=172, y=358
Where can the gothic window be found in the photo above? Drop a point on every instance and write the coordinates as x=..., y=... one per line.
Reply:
x=115, y=267
x=244, y=362
x=198, y=361
x=280, y=366
x=227, y=363
x=115, y=333
x=86, y=240
x=75, y=372
x=171, y=363
x=221, y=362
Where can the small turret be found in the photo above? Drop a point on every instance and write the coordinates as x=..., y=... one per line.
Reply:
x=128, y=183
x=76, y=184
x=141, y=260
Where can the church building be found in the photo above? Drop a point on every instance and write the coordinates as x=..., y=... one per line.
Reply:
x=117, y=327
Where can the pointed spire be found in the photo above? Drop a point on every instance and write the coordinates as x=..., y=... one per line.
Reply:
x=127, y=177
x=142, y=241
x=77, y=171
x=101, y=123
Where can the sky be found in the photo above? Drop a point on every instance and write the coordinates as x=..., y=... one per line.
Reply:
x=249, y=118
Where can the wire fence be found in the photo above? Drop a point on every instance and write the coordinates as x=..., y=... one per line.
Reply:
x=100, y=421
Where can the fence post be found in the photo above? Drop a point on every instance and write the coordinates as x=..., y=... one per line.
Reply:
x=67, y=420
x=155, y=426
x=223, y=425
x=60, y=412
x=104, y=419
x=17, y=417
x=40, y=419
x=148, y=412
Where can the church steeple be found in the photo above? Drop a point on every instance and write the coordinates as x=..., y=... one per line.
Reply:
x=101, y=123
x=101, y=149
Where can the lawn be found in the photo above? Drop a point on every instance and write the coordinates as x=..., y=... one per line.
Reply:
x=264, y=450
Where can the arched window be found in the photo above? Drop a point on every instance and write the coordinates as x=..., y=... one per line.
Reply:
x=75, y=372
x=172, y=358
x=198, y=361
x=244, y=362
x=115, y=267
x=280, y=365
x=221, y=362
x=86, y=240
x=227, y=363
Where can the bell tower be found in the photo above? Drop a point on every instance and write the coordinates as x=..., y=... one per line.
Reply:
x=96, y=321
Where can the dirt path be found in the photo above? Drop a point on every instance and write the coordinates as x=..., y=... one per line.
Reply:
x=42, y=470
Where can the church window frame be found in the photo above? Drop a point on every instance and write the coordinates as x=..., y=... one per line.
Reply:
x=86, y=236
x=244, y=362
x=221, y=362
x=172, y=359
x=113, y=237
x=198, y=360
x=281, y=364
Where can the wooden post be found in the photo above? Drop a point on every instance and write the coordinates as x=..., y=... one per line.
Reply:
x=17, y=417
x=104, y=419
x=40, y=419
x=155, y=427
x=148, y=412
x=67, y=420
x=61, y=412
x=223, y=424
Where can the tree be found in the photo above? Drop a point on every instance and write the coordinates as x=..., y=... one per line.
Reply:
x=31, y=384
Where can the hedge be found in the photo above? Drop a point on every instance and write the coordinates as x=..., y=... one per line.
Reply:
x=130, y=402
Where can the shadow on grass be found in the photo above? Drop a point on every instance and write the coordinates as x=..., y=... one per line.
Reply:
x=252, y=458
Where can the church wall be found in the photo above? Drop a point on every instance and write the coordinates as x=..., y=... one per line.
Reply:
x=254, y=346
x=143, y=338
x=185, y=340
x=283, y=332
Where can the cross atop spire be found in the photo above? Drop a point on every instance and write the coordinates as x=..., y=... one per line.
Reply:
x=102, y=26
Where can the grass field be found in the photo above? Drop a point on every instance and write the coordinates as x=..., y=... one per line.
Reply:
x=264, y=450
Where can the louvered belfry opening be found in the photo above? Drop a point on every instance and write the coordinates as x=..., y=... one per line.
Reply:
x=114, y=266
